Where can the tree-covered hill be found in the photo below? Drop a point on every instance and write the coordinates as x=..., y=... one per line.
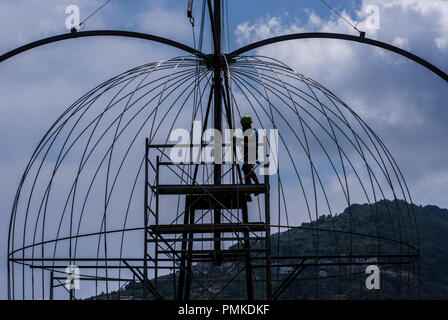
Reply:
x=426, y=279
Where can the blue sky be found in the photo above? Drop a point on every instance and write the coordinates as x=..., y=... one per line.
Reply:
x=403, y=102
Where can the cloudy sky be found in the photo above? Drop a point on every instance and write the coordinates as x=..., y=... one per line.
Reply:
x=404, y=103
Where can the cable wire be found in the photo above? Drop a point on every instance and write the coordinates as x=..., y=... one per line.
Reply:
x=340, y=15
x=93, y=13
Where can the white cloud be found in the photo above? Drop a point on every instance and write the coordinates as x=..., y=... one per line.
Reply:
x=417, y=19
x=23, y=21
x=269, y=27
x=400, y=42
x=401, y=100
x=442, y=43
x=340, y=65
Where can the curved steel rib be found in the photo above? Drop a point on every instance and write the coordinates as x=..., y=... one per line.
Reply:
x=340, y=36
x=99, y=33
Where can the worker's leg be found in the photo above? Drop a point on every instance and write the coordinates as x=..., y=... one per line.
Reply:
x=249, y=174
x=247, y=170
x=254, y=177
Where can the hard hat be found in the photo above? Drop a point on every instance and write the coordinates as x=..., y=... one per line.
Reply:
x=246, y=119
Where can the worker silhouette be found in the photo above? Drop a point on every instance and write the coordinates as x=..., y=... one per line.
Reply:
x=250, y=146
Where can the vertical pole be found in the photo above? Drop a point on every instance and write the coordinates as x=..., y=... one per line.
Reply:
x=247, y=257
x=145, y=215
x=174, y=280
x=183, y=255
x=156, y=242
x=51, y=285
x=267, y=212
x=189, y=274
x=217, y=81
x=133, y=287
x=9, y=278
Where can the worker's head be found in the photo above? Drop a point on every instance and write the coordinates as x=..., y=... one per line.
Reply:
x=246, y=122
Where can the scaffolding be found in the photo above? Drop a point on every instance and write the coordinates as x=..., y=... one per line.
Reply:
x=216, y=201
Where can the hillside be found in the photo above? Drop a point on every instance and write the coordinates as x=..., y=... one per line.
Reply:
x=433, y=246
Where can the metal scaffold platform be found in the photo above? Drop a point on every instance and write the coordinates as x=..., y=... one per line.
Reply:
x=225, y=206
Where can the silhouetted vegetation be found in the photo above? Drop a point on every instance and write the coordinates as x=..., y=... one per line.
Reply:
x=398, y=282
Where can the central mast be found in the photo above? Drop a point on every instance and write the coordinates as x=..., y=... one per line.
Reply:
x=217, y=88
